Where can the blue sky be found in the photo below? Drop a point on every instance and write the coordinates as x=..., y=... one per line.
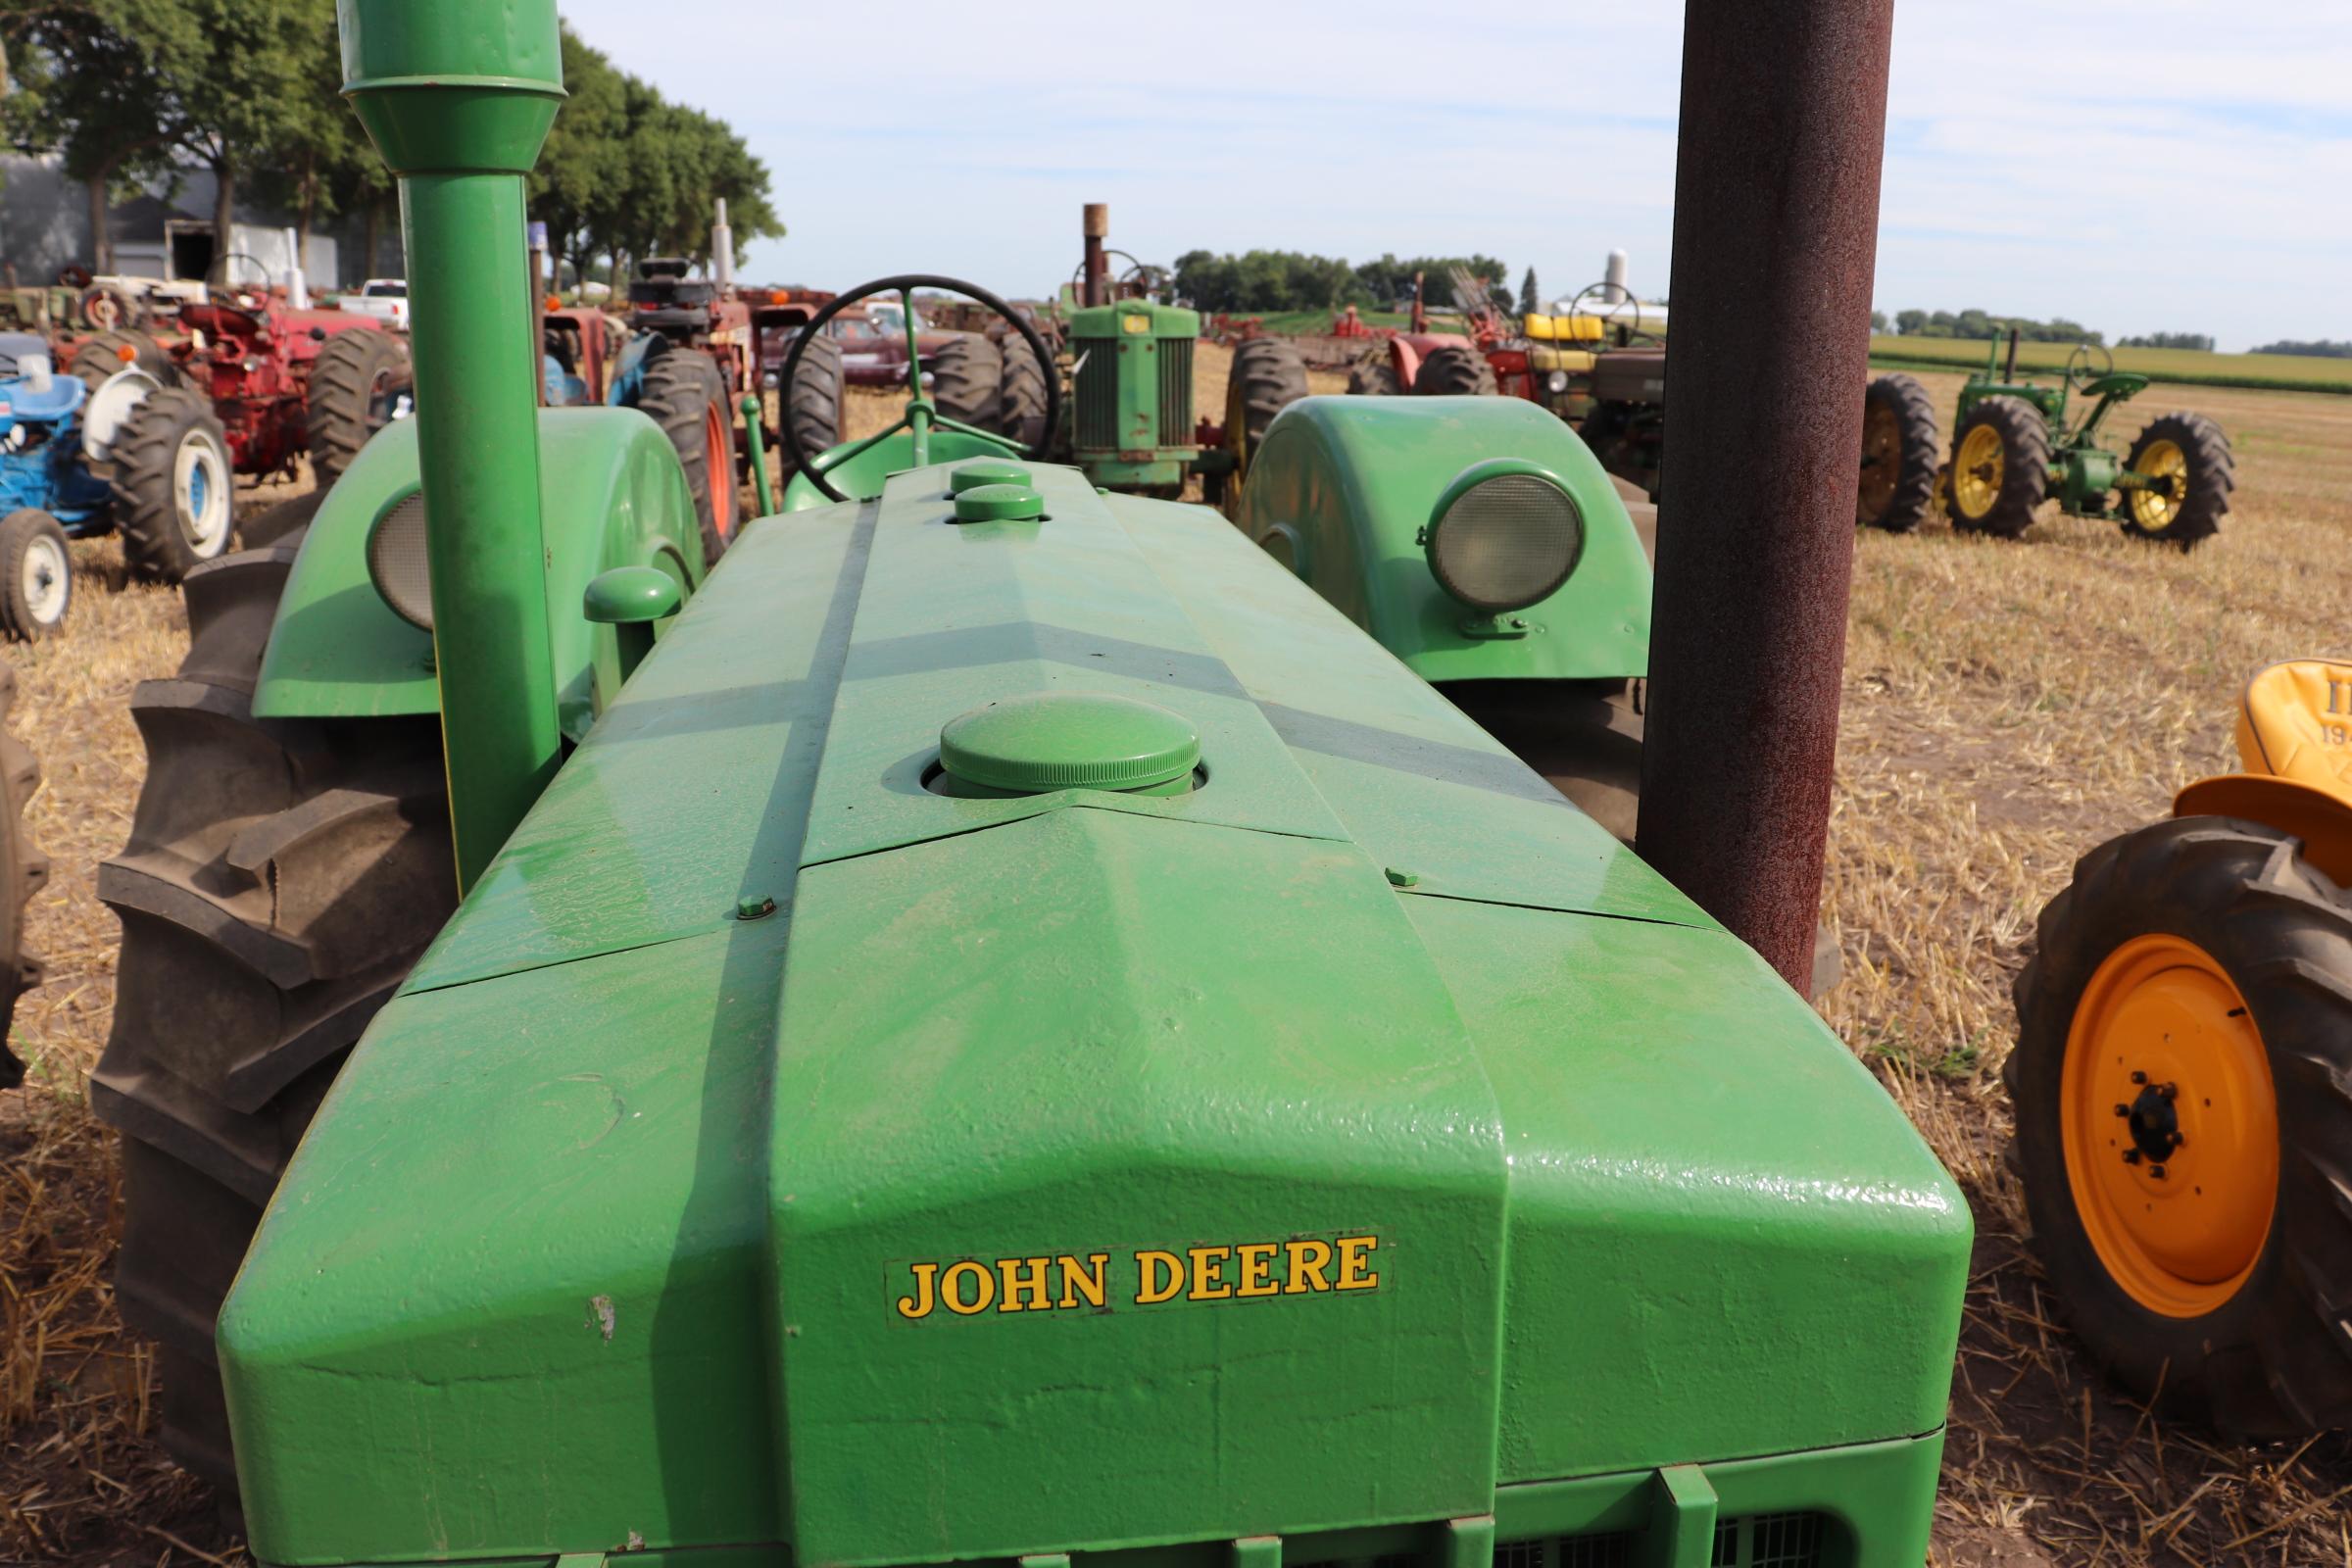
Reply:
x=2139, y=164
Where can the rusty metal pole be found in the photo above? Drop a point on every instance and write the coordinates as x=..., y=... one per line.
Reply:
x=1095, y=289
x=1774, y=238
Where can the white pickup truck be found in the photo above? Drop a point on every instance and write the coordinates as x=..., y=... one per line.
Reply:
x=384, y=298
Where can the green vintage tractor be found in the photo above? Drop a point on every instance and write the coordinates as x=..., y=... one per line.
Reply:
x=2017, y=445
x=997, y=1025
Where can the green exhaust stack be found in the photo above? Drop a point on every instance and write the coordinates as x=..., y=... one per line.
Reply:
x=459, y=96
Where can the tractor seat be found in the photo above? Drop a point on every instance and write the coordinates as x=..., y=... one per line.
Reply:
x=2295, y=722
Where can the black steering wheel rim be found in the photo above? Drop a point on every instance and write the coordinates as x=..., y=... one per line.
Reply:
x=2079, y=380
x=788, y=439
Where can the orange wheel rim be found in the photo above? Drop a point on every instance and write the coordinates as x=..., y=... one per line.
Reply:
x=722, y=471
x=2170, y=1126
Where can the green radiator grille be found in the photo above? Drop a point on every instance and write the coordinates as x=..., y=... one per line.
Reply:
x=1097, y=360
x=1175, y=391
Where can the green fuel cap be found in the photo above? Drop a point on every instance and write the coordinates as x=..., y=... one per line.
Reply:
x=999, y=502
x=985, y=470
x=1069, y=740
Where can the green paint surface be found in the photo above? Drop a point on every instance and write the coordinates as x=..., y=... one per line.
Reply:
x=634, y=1223
x=1341, y=488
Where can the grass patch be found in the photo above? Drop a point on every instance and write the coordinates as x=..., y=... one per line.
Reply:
x=2261, y=372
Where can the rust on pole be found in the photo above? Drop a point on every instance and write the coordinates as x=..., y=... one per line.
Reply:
x=1094, y=285
x=1775, y=239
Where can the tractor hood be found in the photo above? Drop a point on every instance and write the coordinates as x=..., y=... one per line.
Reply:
x=776, y=1152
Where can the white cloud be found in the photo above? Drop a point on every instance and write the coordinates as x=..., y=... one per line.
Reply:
x=2139, y=164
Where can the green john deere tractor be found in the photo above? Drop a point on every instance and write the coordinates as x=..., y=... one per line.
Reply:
x=982, y=898
x=2016, y=446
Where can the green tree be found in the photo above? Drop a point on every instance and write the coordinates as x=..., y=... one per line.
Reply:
x=1530, y=299
x=319, y=162
x=83, y=88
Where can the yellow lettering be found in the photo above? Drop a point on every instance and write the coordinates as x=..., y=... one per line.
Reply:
x=1024, y=1277
x=920, y=1302
x=1208, y=1268
x=1149, y=1290
x=1308, y=1260
x=984, y=1287
x=1089, y=1283
x=1354, y=1274
x=1258, y=1263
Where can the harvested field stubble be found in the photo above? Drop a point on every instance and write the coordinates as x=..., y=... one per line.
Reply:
x=2007, y=706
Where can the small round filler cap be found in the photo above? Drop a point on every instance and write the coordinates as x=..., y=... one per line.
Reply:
x=985, y=470
x=999, y=502
x=1069, y=740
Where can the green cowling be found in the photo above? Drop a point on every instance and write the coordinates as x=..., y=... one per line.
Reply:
x=1362, y=1150
x=1342, y=489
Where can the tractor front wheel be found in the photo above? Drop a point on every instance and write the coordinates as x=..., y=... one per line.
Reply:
x=36, y=576
x=175, y=488
x=814, y=405
x=23, y=871
x=2189, y=459
x=967, y=379
x=281, y=877
x=1899, y=445
x=1022, y=397
x=683, y=393
x=2183, y=1088
x=1456, y=370
x=361, y=383
x=2000, y=467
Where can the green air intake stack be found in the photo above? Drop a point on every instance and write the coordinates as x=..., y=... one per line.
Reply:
x=459, y=96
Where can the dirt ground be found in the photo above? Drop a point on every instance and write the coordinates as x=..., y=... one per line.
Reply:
x=2007, y=706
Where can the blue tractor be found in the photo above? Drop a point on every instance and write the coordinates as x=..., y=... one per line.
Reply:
x=71, y=449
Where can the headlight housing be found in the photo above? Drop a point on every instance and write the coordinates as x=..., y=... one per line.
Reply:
x=1505, y=535
x=396, y=561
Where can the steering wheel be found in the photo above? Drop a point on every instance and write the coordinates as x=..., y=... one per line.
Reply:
x=920, y=416
x=240, y=296
x=2082, y=369
x=1612, y=317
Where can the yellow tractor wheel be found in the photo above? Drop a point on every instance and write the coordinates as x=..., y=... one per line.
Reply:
x=2001, y=468
x=2188, y=459
x=2183, y=1088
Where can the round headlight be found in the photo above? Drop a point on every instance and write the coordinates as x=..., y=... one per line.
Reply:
x=396, y=561
x=1557, y=381
x=1504, y=536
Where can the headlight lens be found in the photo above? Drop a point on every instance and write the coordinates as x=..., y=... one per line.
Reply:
x=1506, y=542
x=1557, y=381
x=396, y=561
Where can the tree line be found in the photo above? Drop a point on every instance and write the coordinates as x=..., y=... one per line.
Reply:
x=132, y=93
x=1980, y=324
x=1289, y=280
x=2319, y=348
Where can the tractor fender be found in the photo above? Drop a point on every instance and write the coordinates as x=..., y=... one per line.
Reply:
x=612, y=494
x=1341, y=488
x=2322, y=820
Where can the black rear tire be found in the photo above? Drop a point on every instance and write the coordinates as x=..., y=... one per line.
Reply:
x=814, y=406
x=283, y=523
x=359, y=384
x=1899, y=451
x=1022, y=397
x=2025, y=468
x=2275, y=1358
x=2203, y=498
x=683, y=393
x=1267, y=377
x=1455, y=370
x=967, y=379
x=98, y=359
x=176, y=496
x=281, y=878
x=23, y=871
x=36, y=576
x=1373, y=378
